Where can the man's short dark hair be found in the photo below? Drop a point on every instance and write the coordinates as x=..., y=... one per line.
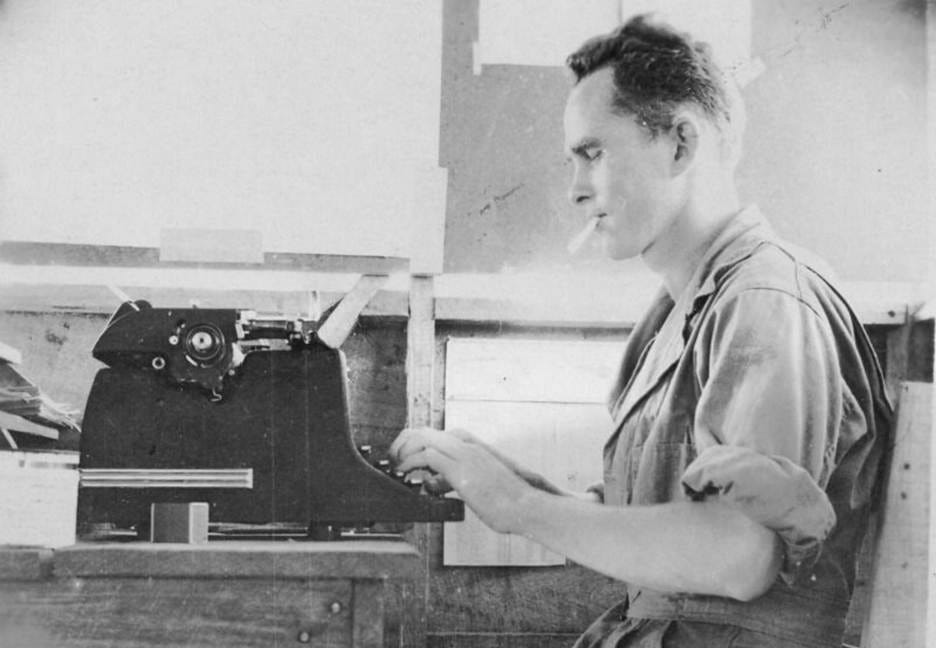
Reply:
x=656, y=70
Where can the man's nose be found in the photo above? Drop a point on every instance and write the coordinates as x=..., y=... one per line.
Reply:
x=580, y=191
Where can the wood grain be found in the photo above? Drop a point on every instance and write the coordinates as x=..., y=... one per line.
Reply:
x=519, y=599
x=145, y=613
x=420, y=349
x=897, y=613
x=501, y=640
x=25, y=563
x=368, y=559
x=367, y=624
x=227, y=593
x=420, y=390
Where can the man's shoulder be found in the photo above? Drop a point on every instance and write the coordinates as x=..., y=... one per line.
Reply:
x=781, y=268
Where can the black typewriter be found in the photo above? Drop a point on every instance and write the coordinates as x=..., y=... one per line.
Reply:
x=247, y=413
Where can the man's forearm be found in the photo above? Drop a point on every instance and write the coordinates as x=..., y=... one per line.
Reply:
x=695, y=547
x=537, y=480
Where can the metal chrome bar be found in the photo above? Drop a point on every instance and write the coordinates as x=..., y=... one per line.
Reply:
x=165, y=478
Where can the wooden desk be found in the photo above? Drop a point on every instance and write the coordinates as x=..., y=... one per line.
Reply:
x=227, y=593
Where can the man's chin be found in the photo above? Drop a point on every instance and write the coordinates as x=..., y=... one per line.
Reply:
x=620, y=253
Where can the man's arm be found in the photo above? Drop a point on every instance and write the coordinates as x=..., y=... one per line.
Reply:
x=694, y=547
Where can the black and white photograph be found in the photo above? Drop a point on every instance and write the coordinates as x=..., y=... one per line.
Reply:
x=467, y=323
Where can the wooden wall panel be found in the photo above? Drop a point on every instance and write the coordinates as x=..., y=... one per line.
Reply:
x=540, y=402
x=561, y=441
x=512, y=600
x=548, y=371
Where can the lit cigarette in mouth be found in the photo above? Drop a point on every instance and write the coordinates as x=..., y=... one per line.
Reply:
x=579, y=240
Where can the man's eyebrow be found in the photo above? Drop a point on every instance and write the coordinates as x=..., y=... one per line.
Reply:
x=580, y=147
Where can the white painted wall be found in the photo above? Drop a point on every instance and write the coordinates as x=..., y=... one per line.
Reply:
x=313, y=122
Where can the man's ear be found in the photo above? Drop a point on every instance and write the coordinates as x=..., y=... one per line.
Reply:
x=686, y=141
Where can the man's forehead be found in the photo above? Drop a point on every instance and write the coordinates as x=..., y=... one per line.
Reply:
x=589, y=108
x=594, y=92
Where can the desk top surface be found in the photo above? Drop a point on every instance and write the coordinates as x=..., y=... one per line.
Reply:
x=358, y=559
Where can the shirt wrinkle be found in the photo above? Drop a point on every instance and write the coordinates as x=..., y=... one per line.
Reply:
x=799, y=298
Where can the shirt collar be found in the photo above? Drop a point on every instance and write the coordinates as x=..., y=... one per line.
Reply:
x=737, y=240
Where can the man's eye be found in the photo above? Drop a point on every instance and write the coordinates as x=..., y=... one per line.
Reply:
x=593, y=154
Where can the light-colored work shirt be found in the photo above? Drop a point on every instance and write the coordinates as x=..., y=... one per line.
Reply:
x=757, y=387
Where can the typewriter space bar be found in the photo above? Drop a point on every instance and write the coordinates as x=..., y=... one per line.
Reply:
x=165, y=478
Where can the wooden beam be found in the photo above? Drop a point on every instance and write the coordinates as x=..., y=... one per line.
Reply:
x=339, y=324
x=545, y=300
x=420, y=351
x=28, y=253
x=420, y=373
x=366, y=559
x=91, y=299
x=553, y=299
x=897, y=359
x=931, y=564
x=897, y=615
x=930, y=634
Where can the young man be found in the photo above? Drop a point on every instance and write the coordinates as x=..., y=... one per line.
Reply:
x=749, y=413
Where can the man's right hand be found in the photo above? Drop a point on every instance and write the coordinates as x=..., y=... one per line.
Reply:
x=436, y=483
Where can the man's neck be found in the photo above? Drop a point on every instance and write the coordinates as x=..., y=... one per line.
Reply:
x=676, y=255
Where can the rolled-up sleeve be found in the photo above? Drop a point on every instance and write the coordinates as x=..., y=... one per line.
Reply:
x=767, y=418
